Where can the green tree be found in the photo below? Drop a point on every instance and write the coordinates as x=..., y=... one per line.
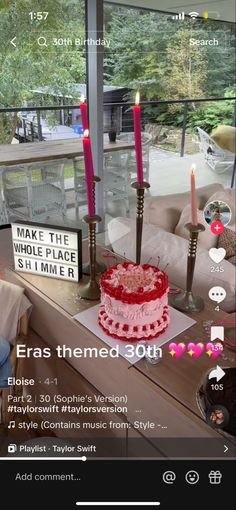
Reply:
x=137, y=57
x=150, y=50
x=210, y=115
x=186, y=70
x=29, y=66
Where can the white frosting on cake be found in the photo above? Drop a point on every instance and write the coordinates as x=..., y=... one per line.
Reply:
x=136, y=331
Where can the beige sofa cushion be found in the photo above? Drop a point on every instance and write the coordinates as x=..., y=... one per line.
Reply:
x=225, y=137
x=172, y=251
x=206, y=239
x=165, y=211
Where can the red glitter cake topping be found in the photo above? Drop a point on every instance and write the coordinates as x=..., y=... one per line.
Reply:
x=134, y=283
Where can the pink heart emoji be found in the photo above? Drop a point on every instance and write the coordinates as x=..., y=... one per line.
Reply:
x=214, y=350
x=195, y=350
x=176, y=350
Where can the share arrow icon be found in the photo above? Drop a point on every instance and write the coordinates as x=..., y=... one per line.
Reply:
x=217, y=373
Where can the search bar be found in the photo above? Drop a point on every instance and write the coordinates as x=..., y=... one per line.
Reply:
x=42, y=41
x=118, y=503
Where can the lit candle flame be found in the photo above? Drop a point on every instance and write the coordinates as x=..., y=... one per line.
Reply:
x=193, y=169
x=86, y=133
x=137, y=98
x=82, y=98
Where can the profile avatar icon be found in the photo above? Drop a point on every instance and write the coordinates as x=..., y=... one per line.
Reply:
x=217, y=416
x=217, y=212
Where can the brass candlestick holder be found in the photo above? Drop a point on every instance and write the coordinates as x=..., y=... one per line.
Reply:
x=186, y=301
x=91, y=289
x=100, y=267
x=140, y=189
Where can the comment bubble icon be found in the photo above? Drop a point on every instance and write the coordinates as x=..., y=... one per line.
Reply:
x=217, y=294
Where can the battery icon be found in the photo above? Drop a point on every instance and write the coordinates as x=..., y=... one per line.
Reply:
x=212, y=14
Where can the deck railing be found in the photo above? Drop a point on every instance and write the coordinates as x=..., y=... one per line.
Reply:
x=118, y=115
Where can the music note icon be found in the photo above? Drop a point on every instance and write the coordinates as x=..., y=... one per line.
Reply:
x=11, y=425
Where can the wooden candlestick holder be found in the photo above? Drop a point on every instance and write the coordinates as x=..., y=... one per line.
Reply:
x=100, y=267
x=91, y=289
x=140, y=189
x=186, y=301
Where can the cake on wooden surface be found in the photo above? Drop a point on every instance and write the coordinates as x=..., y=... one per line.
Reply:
x=134, y=302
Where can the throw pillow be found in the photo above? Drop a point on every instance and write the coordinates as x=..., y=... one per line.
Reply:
x=227, y=240
x=206, y=239
x=232, y=260
x=225, y=137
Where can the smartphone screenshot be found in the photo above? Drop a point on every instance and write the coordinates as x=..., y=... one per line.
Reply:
x=117, y=253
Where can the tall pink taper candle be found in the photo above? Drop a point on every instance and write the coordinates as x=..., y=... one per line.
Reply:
x=138, y=139
x=89, y=173
x=84, y=113
x=193, y=197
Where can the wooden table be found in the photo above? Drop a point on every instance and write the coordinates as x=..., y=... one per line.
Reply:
x=17, y=154
x=164, y=393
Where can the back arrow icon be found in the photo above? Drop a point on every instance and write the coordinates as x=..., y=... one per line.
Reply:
x=12, y=42
x=225, y=448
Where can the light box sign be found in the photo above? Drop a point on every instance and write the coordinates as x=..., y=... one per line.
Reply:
x=47, y=250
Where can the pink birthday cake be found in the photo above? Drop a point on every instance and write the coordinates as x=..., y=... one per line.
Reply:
x=134, y=302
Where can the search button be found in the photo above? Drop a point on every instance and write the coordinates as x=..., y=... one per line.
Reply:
x=169, y=477
x=42, y=41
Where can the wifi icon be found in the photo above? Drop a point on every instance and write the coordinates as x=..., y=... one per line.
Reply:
x=193, y=14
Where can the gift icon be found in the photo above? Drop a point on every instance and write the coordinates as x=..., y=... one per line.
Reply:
x=215, y=477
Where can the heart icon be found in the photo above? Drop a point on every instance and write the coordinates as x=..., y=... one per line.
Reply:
x=195, y=350
x=217, y=254
x=214, y=350
x=176, y=350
